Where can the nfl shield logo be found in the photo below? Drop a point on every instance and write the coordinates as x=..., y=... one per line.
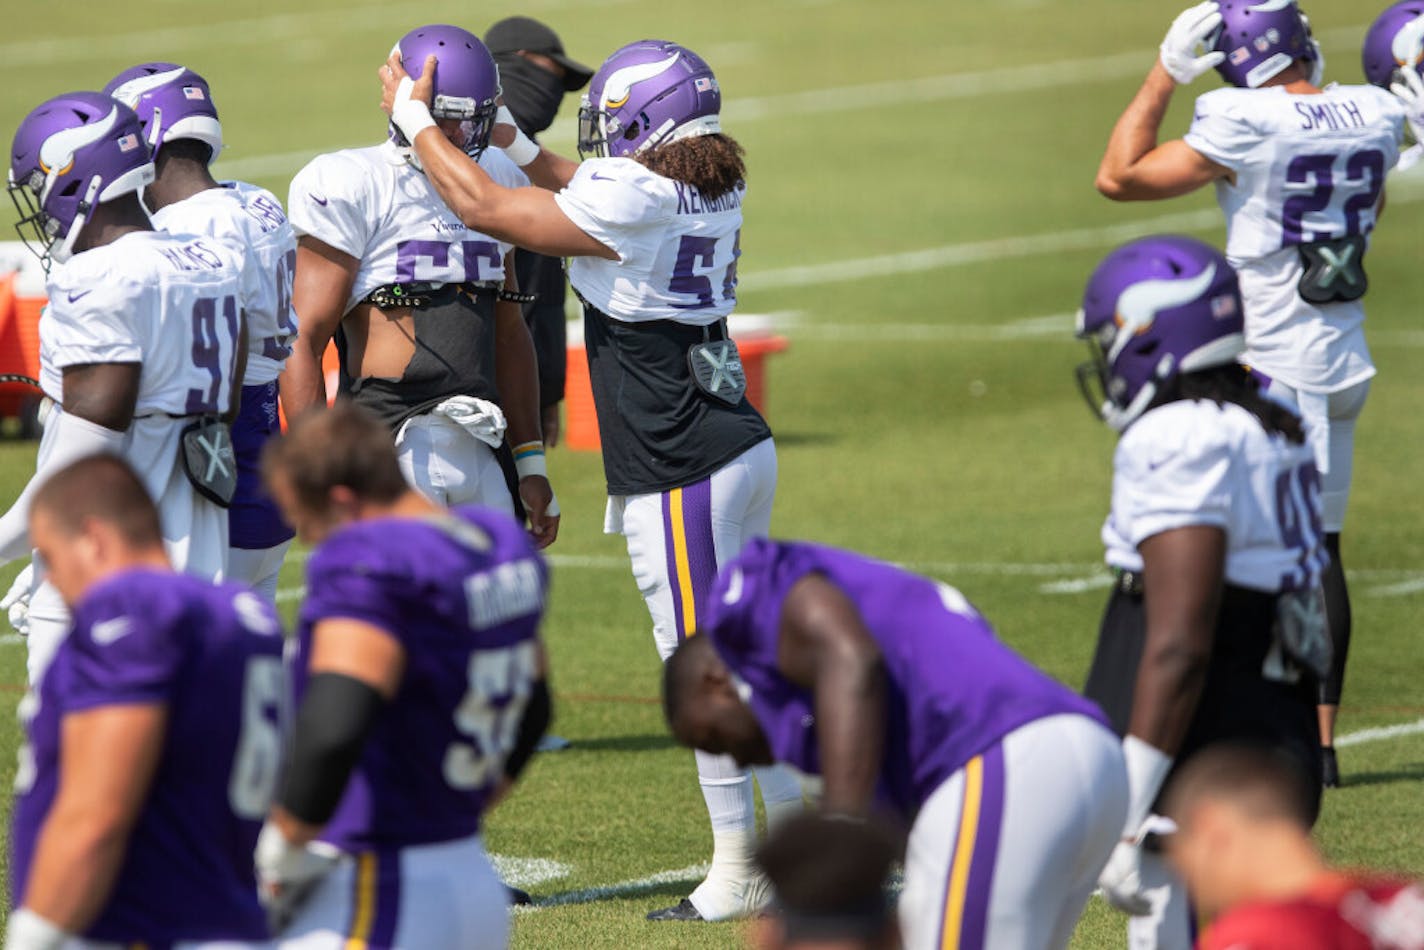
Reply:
x=128, y=143
x=193, y=92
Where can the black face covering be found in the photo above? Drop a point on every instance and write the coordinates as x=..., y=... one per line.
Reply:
x=532, y=93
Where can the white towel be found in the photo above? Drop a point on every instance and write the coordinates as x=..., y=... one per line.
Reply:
x=479, y=417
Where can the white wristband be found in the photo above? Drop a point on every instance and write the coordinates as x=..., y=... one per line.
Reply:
x=27, y=930
x=523, y=149
x=1147, y=768
x=411, y=116
x=531, y=464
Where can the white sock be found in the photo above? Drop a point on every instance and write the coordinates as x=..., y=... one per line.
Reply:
x=727, y=789
x=780, y=794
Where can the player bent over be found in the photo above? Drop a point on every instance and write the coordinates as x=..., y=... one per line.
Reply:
x=153, y=743
x=652, y=224
x=895, y=691
x=1216, y=628
x=422, y=694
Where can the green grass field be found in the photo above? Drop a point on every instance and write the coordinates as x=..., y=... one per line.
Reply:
x=925, y=410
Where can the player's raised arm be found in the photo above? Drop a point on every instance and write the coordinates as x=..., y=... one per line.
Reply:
x=1134, y=166
x=528, y=217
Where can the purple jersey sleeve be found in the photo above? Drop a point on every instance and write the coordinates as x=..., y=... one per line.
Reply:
x=344, y=579
x=127, y=648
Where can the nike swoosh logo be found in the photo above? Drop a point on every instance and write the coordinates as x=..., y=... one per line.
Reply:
x=597, y=177
x=320, y=201
x=76, y=296
x=106, y=632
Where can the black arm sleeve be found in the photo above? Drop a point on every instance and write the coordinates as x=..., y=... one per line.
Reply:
x=336, y=716
x=537, y=716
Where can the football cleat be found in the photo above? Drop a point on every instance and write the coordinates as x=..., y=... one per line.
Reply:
x=682, y=910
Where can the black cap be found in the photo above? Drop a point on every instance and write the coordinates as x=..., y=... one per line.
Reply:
x=524, y=33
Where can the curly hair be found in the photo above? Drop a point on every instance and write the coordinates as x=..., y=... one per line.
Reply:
x=710, y=163
x=1234, y=383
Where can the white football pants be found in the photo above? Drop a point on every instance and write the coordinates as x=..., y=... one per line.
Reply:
x=677, y=541
x=194, y=534
x=449, y=466
x=1330, y=428
x=258, y=568
x=433, y=897
x=1006, y=851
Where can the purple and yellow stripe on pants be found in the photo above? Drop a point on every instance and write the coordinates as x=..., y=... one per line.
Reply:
x=691, y=554
x=965, y=917
x=375, y=904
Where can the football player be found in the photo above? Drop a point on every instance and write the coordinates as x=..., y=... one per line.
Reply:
x=141, y=343
x=894, y=690
x=153, y=743
x=1244, y=848
x=422, y=690
x=1393, y=59
x=425, y=310
x=1215, y=628
x=535, y=74
x=652, y=223
x=1299, y=173
x=180, y=121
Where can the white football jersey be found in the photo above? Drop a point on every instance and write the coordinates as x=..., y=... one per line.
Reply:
x=172, y=303
x=251, y=220
x=168, y=301
x=1308, y=168
x=373, y=204
x=677, y=251
x=1193, y=462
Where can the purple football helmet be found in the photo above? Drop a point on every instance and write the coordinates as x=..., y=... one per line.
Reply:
x=645, y=94
x=1154, y=309
x=1395, y=41
x=466, y=81
x=70, y=154
x=1262, y=39
x=172, y=102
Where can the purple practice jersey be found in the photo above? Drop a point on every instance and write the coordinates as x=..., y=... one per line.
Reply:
x=463, y=592
x=952, y=689
x=212, y=655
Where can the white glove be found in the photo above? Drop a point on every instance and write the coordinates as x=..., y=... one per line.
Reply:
x=1188, y=32
x=1121, y=878
x=1409, y=90
x=411, y=116
x=287, y=873
x=16, y=602
x=523, y=149
x=26, y=930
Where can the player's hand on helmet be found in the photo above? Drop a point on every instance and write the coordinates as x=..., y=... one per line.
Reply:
x=405, y=100
x=16, y=602
x=1188, y=32
x=287, y=873
x=542, y=508
x=1408, y=88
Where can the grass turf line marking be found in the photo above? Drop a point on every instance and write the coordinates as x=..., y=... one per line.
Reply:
x=630, y=888
x=1380, y=733
x=528, y=872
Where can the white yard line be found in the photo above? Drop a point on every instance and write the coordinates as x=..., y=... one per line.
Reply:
x=529, y=872
x=629, y=888
x=1380, y=733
